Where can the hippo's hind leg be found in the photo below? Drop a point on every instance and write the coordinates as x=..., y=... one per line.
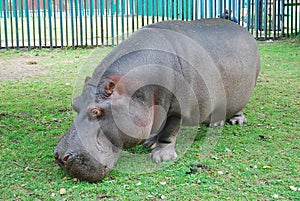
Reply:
x=238, y=118
x=165, y=146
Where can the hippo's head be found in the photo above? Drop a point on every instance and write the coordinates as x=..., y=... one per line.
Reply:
x=90, y=148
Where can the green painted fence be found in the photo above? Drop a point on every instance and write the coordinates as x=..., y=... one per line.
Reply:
x=80, y=23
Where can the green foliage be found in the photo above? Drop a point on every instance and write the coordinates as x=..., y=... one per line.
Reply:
x=256, y=161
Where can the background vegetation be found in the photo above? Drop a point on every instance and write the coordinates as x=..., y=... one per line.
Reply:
x=259, y=160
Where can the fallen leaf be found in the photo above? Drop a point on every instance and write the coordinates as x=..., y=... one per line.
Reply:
x=214, y=157
x=220, y=172
x=267, y=167
x=293, y=188
x=275, y=196
x=163, y=183
x=62, y=191
x=101, y=196
x=139, y=183
x=228, y=150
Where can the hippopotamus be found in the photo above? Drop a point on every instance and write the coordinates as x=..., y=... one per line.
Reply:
x=164, y=76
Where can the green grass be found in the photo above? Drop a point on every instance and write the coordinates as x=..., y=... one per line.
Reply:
x=259, y=160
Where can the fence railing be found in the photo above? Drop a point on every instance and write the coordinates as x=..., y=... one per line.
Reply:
x=62, y=23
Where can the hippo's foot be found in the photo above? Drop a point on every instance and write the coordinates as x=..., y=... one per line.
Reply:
x=238, y=118
x=163, y=152
x=216, y=124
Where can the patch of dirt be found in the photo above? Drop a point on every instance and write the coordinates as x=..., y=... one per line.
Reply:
x=21, y=67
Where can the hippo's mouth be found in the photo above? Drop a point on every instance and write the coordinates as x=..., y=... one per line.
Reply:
x=81, y=168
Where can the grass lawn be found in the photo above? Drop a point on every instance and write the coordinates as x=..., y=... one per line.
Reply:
x=259, y=160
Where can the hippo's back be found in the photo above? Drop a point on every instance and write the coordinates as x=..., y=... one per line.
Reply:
x=219, y=59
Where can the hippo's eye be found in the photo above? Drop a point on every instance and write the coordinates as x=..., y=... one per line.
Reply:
x=94, y=112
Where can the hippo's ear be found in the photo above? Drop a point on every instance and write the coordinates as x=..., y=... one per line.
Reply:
x=109, y=88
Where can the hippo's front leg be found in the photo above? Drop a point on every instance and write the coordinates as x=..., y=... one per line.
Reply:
x=165, y=146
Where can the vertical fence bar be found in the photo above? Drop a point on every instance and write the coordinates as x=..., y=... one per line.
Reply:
x=50, y=23
x=264, y=16
x=5, y=24
x=101, y=20
x=296, y=18
x=28, y=23
x=127, y=17
x=173, y=11
x=287, y=6
x=291, y=17
x=22, y=23
x=205, y=8
x=122, y=18
x=39, y=23
x=33, y=22
x=66, y=22
x=210, y=8
x=147, y=11
x=132, y=15
x=163, y=10
x=157, y=10
x=0, y=27
x=96, y=21
x=44, y=22
x=61, y=23
x=17, y=24
x=239, y=13
x=72, y=23
x=80, y=23
x=76, y=4
x=182, y=10
x=177, y=9
x=55, y=28
x=91, y=22
x=106, y=21
x=282, y=18
x=117, y=21
x=187, y=10
x=252, y=17
x=137, y=13
x=112, y=22
x=143, y=12
x=196, y=9
x=269, y=17
x=152, y=3
x=167, y=9
x=274, y=19
x=277, y=18
x=11, y=24
x=85, y=23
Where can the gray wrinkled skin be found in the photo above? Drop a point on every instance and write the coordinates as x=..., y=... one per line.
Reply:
x=163, y=76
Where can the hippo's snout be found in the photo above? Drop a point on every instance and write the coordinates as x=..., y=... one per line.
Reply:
x=81, y=167
x=77, y=161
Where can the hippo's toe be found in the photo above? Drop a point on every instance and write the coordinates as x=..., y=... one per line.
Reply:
x=163, y=152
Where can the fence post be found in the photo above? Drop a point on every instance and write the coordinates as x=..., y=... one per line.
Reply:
x=17, y=24
x=28, y=24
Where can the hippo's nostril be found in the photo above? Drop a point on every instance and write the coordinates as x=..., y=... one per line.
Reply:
x=67, y=157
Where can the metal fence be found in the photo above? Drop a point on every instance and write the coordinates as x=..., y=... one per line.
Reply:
x=79, y=23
